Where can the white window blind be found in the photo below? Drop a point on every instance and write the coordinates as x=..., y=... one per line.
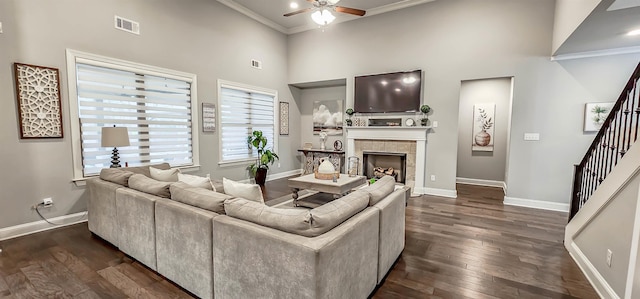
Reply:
x=156, y=111
x=242, y=111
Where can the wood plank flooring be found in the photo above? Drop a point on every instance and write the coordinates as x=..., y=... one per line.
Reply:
x=469, y=247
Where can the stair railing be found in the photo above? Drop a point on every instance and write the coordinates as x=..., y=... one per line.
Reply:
x=618, y=133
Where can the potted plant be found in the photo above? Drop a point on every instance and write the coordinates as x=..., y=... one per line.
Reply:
x=349, y=112
x=424, y=109
x=265, y=157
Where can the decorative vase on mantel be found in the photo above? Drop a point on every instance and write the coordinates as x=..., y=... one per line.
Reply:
x=482, y=138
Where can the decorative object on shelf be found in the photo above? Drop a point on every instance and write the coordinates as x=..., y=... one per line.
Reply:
x=284, y=118
x=327, y=117
x=114, y=137
x=410, y=122
x=337, y=145
x=39, y=107
x=350, y=113
x=424, y=120
x=208, y=117
x=265, y=157
x=353, y=166
x=307, y=145
x=595, y=115
x=323, y=139
x=360, y=122
x=326, y=171
x=483, y=129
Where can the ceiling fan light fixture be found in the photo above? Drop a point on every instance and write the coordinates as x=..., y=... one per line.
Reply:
x=322, y=17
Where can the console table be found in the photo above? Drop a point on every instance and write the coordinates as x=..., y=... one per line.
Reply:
x=314, y=156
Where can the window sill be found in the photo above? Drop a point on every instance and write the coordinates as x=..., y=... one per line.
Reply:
x=236, y=163
x=81, y=182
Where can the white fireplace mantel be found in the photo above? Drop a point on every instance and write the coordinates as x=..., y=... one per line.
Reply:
x=417, y=134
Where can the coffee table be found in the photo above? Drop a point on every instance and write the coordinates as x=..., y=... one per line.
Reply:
x=343, y=185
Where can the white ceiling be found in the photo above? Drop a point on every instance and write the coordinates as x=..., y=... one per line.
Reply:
x=271, y=12
x=605, y=30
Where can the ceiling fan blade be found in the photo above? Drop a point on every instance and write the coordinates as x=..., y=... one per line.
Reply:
x=298, y=12
x=353, y=11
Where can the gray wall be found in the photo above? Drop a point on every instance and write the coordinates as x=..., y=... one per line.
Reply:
x=483, y=165
x=202, y=37
x=612, y=229
x=458, y=40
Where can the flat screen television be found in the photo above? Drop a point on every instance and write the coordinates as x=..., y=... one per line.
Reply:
x=392, y=92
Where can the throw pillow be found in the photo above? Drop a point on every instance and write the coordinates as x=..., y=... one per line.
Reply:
x=147, y=185
x=116, y=175
x=196, y=181
x=242, y=190
x=198, y=197
x=169, y=175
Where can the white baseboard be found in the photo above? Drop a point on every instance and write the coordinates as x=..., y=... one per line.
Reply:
x=439, y=192
x=536, y=204
x=598, y=282
x=39, y=226
x=479, y=182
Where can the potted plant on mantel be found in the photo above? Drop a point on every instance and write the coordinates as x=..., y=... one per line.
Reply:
x=349, y=112
x=424, y=109
x=265, y=157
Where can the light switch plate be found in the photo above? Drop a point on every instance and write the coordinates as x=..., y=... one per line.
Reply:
x=531, y=136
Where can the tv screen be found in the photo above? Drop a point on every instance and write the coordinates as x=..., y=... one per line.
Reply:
x=393, y=92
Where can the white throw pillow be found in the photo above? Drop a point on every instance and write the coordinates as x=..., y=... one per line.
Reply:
x=169, y=175
x=242, y=190
x=196, y=181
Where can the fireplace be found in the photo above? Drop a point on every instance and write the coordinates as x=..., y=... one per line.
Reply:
x=378, y=164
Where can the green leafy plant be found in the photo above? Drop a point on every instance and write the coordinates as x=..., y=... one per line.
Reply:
x=350, y=112
x=265, y=156
x=485, y=122
x=424, y=109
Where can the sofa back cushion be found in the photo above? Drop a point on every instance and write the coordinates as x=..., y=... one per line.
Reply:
x=148, y=185
x=198, y=197
x=380, y=189
x=144, y=170
x=309, y=223
x=116, y=175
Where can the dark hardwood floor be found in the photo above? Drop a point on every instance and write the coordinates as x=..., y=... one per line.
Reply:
x=470, y=247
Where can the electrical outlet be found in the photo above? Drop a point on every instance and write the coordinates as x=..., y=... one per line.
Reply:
x=47, y=201
x=609, y=256
x=0, y=27
x=208, y=175
x=435, y=124
x=433, y=177
x=531, y=136
x=278, y=164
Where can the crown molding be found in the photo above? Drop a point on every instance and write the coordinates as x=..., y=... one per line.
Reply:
x=251, y=14
x=597, y=53
x=370, y=12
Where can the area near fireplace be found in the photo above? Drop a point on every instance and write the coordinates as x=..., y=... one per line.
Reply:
x=393, y=140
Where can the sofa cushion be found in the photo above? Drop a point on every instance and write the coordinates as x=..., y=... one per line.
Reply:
x=165, y=175
x=380, y=189
x=144, y=170
x=148, y=185
x=247, y=191
x=116, y=175
x=196, y=181
x=309, y=223
x=198, y=197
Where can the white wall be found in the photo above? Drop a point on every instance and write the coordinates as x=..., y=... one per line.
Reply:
x=569, y=14
x=483, y=165
x=196, y=36
x=458, y=40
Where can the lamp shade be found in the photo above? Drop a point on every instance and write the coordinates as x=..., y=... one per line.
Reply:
x=115, y=136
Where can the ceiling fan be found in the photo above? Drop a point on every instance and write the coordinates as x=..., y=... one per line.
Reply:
x=323, y=8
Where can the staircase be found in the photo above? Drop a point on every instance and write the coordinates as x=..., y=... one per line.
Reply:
x=618, y=133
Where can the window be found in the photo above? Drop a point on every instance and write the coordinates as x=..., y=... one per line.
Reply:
x=244, y=109
x=154, y=104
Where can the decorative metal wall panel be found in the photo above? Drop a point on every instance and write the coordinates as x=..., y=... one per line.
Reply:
x=39, y=107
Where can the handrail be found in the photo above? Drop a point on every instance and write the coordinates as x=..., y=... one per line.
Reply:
x=618, y=133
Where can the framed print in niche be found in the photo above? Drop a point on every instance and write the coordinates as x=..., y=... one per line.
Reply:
x=38, y=96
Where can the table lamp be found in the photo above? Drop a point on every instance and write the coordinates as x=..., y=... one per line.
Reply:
x=115, y=137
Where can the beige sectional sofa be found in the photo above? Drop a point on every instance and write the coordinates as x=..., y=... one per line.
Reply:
x=215, y=245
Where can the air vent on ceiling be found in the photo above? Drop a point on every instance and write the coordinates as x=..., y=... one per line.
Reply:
x=256, y=64
x=127, y=25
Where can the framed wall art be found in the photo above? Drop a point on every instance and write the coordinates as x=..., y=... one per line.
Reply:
x=208, y=117
x=595, y=114
x=38, y=95
x=284, y=118
x=483, y=127
x=327, y=117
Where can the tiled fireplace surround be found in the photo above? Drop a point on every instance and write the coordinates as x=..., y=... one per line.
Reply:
x=409, y=140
